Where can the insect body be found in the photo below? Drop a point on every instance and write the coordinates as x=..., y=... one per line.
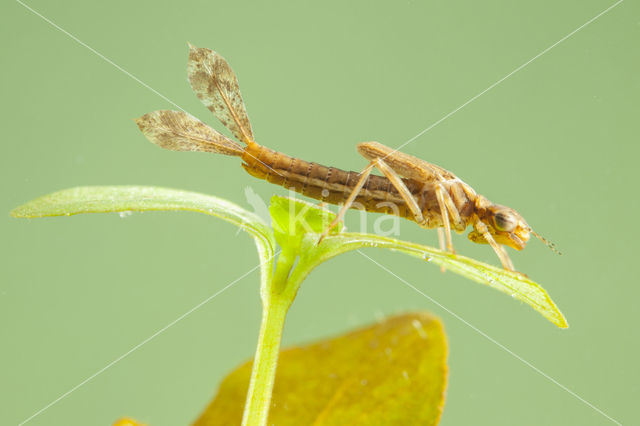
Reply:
x=411, y=188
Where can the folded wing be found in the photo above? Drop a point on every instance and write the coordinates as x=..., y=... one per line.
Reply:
x=404, y=164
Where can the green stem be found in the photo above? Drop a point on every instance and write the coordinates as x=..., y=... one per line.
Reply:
x=275, y=304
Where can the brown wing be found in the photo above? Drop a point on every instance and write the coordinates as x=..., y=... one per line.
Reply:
x=179, y=131
x=405, y=165
x=216, y=85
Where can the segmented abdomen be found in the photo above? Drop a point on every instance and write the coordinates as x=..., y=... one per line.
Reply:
x=334, y=186
x=327, y=184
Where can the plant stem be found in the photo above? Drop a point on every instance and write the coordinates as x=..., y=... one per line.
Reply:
x=275, y=304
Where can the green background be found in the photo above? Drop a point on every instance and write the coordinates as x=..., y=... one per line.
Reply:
x=557, y=141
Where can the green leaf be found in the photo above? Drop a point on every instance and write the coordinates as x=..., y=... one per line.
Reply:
x=393, y=372
x=292, y=219
x=514, y=284
x=106, y=199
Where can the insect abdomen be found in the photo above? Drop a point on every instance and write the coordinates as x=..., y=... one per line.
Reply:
x=327, y=184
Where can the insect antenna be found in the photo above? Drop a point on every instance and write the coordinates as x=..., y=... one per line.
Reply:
x=548, y=243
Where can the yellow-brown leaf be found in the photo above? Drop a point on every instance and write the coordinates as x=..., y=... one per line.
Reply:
x=391, y=373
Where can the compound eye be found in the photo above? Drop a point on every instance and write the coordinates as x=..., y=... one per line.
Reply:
x=504, y=222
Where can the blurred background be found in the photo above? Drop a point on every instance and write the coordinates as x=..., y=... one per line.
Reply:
x=557, y=141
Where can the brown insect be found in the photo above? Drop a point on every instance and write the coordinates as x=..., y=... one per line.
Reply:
x=411, y=188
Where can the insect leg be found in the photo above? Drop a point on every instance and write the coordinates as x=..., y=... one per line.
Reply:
x=445, y=217
x=411, y=201
x=402, y=189
x=500, y=251
x=396, y=181
x=364, y=175
x=441, y=238
x=451, y=207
